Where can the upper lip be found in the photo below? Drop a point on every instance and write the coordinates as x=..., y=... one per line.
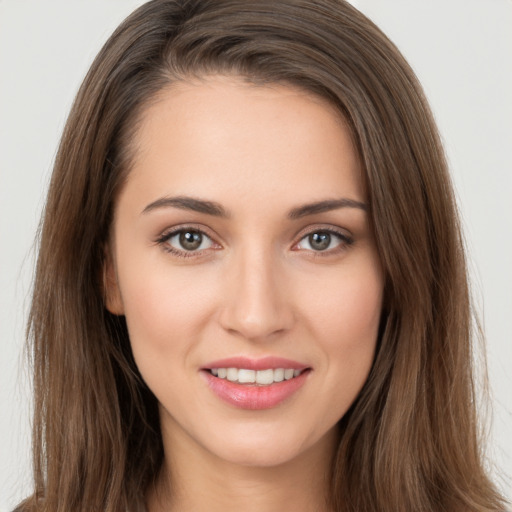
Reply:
x=263, y=363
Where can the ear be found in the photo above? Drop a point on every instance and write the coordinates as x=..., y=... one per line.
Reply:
x=110, y=284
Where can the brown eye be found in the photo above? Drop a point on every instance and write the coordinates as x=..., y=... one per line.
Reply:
x=187, y=240
x=324, y=241
x=190, y=240
x=319, y=241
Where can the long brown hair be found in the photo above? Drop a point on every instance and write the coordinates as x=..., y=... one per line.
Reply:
x=411, y=440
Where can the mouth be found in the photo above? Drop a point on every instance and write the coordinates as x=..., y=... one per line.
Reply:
x=255, y=384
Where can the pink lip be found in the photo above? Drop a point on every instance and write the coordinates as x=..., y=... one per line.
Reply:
x=250, y=396
x=263, y=363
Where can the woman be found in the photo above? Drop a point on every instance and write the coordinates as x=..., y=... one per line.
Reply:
x=251, y=290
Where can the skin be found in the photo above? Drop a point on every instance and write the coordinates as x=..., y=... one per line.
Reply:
x=256, y=287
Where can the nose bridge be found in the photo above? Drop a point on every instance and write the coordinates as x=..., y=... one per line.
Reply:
x=256, y=305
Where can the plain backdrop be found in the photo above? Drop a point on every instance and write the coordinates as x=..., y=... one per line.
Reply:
x=462, y=53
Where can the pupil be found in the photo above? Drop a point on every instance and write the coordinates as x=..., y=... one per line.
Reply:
x=190, y=240
x=320, y=241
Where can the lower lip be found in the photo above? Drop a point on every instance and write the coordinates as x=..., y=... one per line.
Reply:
x=252, y=397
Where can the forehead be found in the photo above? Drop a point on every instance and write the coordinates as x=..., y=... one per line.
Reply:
x=225, y=137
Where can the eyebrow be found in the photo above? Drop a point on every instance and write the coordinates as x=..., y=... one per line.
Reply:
x=325, y=206
x=188, y=203
x=217, y=210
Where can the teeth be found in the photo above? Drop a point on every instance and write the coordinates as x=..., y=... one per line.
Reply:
x=246, y=376
x=288, y=374
x=261, y=377
x=265, y=377
x=232, y=374
x=278, y=374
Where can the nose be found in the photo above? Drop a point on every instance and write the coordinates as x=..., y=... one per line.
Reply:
x=257, y=304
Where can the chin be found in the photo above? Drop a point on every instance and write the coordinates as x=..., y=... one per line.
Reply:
x=268, y=447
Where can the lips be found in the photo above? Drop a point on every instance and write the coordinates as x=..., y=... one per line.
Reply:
x=255, y=384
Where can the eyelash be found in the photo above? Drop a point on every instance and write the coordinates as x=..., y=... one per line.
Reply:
x=164, y=238
x=345, y=241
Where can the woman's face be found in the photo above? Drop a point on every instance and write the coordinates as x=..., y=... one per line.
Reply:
x=243, y=261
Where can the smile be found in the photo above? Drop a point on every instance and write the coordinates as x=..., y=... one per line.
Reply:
x=255, y=384
x=264, y=377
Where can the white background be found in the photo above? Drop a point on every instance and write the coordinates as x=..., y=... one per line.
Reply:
x=462, y=53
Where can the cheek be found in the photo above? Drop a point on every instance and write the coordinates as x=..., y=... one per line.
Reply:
x=344, y=316
x=348, y=302
x=165, y=309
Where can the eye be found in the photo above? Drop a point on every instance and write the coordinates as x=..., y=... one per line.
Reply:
x=186, y=240
x=323, y=241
